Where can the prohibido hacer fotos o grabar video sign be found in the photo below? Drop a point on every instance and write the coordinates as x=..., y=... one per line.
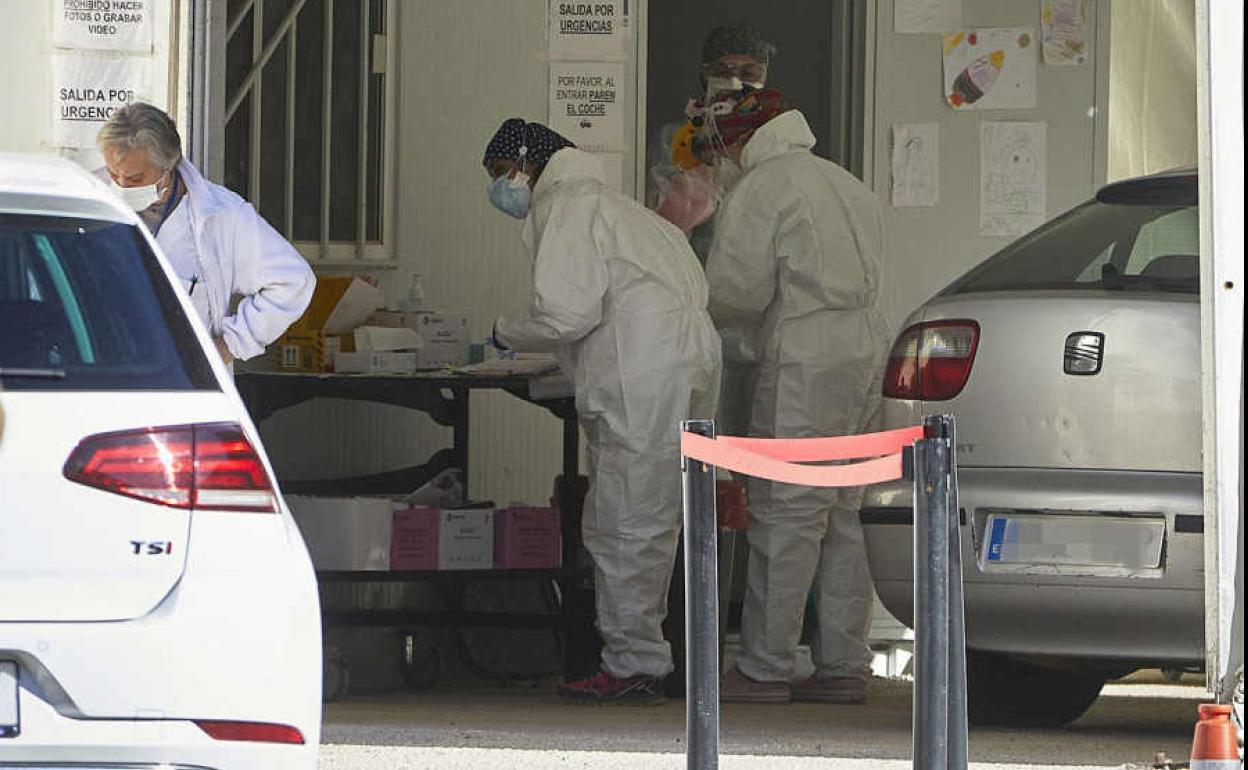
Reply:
x=103, y=25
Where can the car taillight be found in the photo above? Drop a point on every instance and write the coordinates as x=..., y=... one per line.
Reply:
x=256, y=732
x=205, y=467
x=932, y=361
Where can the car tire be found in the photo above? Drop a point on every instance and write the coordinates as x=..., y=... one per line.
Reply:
x=1006, y=691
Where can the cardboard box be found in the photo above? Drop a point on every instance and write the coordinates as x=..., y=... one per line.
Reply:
x=338, y=305
x=414, y=539
x=441, y=355
x=466, y=540
x=345, y=533
x=384, y=338
x=445, y=335
x=527, y=538
x=376, y=362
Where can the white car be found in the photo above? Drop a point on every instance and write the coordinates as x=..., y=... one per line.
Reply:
x=157, y=604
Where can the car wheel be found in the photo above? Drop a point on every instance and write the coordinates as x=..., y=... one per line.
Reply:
x=1005, y=691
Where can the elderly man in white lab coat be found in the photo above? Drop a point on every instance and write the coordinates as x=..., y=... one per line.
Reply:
x=796, y=258
x=620, y=298
x=219, y=246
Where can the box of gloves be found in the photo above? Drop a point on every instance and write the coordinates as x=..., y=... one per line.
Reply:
x=414, y=539
x=527, y=538
x=466, y=539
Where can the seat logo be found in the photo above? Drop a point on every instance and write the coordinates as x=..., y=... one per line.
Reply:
x=1084, y=354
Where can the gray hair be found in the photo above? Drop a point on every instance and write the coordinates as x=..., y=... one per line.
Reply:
x=140, y=126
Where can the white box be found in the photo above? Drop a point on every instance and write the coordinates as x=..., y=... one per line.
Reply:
x=439, y=354
x=345, y=533
x=376, y=362
x=466, y=539
x=436, y=326
x=386, y=338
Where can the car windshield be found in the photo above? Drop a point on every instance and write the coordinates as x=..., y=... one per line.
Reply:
x=84, y=305
x=1118, y=246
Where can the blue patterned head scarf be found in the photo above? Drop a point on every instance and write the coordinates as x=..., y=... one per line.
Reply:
x=515, y=138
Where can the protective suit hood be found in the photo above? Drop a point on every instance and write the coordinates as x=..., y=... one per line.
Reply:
x=787, y=132
x=566, y=165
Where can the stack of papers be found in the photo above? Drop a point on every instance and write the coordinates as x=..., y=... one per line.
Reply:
x=524, y=366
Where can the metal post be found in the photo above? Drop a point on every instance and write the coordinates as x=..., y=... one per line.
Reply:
x=931, y=605
x=958, y=728
x=701, y=608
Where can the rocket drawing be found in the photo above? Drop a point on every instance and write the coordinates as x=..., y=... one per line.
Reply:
x=976, y=80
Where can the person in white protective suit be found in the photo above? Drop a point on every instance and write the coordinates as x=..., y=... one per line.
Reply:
x=221, y=248
x=620, y=298
x=796, y=256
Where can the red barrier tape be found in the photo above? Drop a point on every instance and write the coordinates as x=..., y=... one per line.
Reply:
x=813, y=450
x=724, y=455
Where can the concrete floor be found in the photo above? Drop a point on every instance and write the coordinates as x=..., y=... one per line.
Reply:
x=528, y=728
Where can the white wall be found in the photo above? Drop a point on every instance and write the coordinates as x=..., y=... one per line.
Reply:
x=928, y=247
x=1152, y=94
x=26, y=75
x=463, y=68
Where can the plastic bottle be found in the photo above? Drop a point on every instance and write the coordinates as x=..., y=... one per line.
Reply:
x=415, y=299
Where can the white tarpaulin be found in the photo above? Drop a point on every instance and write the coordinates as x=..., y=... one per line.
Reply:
x=106, y=25
x=1220, y=43
x=88, y=88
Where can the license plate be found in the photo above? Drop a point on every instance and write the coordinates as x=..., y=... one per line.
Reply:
x=1073, y=540
x=10, y=723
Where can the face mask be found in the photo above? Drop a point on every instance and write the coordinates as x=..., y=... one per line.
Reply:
x=717, y=85
x=138, y=198
x=511, y=195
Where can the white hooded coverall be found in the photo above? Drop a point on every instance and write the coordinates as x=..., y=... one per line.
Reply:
x=620, y=298
x=797, y=250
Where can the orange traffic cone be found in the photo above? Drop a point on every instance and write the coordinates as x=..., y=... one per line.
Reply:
x=1215, y=746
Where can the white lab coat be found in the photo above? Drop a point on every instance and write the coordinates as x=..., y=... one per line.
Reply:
x=620, y=298
x=796, y=258
x=240, y=256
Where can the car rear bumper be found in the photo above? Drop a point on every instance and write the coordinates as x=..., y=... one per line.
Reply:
x=1153, y=618
x=50, y=739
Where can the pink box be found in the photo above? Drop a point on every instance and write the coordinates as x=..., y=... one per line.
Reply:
x=527, y=538
x=414, y=539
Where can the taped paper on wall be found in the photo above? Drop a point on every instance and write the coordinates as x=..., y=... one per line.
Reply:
x=990, y=69
x=1012, y=183
x=910, y=16
x=587, y=104
x=88, y=88
x=593, y=30
x=1063, y=27
x=916, y=164
x=104, y=25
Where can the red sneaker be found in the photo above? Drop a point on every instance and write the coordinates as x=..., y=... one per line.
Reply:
x=604, y=688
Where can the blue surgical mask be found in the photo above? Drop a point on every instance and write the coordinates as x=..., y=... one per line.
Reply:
x=511, y=195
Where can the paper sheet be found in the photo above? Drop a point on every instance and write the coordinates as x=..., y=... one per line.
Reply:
x=1012, y=182
x=1063, y=26
x=927, y=15
x=990, y=69
x=88, y=88
x=583, y=30
x=916, y=164
x=587, y=104
x=106, y=25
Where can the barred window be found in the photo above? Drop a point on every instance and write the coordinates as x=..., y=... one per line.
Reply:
x=308, y=121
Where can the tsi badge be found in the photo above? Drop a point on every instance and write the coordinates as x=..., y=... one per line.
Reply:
x=151, y=547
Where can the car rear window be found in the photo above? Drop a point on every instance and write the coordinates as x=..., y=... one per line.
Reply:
x=84, y=305
x=1138, y=243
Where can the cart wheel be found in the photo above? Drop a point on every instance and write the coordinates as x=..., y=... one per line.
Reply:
x=335, y=675
x=422, y=662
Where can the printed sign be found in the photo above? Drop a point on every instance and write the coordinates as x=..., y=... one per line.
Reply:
x=587, y=104
x=88, y=89
x=104, y=25
x=589, y=30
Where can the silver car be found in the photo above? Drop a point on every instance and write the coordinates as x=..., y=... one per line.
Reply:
x=1071, y=360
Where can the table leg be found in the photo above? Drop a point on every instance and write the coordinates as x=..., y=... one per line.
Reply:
x=459, y=433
